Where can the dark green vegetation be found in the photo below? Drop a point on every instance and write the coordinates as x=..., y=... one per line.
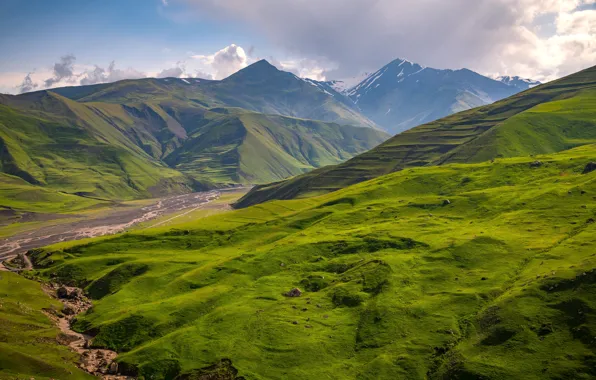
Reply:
x=246, y=147
x=151, y=137
x=461, y=271
x=28, y=345
x=546, y=119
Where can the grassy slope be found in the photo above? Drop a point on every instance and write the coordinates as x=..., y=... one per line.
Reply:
x=497, y=284
x=549, y=127
x=238, y=146
x=52, y=141
x=28, y=346
x=17, y=194
x=112, y=141
x=545, y=119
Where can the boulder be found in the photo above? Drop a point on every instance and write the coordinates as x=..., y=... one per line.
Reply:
x=113, y=369
x=590, y=167
x=62, y=292
x=69, y=310
x=536, y=164
x=446, y=202
x=294, y=293
x=75, y=294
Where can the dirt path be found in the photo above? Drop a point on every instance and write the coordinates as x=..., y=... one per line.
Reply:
x=97, y=362
x=113, y=222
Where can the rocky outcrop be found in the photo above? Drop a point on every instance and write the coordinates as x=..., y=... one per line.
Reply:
x=97, y=362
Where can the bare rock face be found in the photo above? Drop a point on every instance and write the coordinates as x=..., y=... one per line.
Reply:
x=294, y=293
x=590, y=167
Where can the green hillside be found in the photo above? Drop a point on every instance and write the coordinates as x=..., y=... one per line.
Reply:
x=123, y=151
x=28, y=345
x=548, y=118
x=237, y=146
x=461, y=271
x=63, y=145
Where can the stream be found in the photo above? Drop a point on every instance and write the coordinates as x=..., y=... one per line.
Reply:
x=115, y=221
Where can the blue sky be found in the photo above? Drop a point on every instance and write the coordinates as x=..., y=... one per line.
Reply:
x=68, y=42
x=132, y=32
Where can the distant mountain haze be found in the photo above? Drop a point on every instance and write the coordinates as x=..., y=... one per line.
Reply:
x=403, y=94
x=548, y=118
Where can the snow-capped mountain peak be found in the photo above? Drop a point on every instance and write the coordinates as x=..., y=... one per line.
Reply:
x=518, y=82
x=395, y=72
x=342, y=86
x=403, y=94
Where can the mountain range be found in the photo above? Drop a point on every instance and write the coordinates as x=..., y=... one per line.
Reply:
x=462, y=248
x=403, y=94
x=548, y=118
x=150, y=137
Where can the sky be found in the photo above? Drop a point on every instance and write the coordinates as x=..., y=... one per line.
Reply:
x=55, y=43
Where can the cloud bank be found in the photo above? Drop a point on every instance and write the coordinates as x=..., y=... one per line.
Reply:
x=490, y=36
x=111, y=74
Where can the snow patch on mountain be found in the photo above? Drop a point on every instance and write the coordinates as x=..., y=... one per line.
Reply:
x=519, y=82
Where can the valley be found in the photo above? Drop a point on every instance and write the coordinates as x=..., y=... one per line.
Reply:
x=431, y=272
x=107, y=222
x=135, y=246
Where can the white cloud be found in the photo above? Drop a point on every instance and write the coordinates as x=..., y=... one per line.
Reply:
x=304, y=68
x=490, y=36
x=174, y=72
x=223, y=63
x=577, y=23
x=178, y=71
x=111, y=74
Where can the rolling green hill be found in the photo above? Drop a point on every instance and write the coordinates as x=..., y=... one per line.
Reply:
x=55, y=142
x=237, y=146
x=459, y=271
x=548, y=118
x=122, y=151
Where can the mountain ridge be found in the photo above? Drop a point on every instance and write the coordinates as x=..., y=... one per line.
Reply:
x=404, y=94
x=142, y=147
x=510, y=127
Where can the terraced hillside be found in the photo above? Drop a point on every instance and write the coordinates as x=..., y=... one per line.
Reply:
x=545, y=119
x=460, y=271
